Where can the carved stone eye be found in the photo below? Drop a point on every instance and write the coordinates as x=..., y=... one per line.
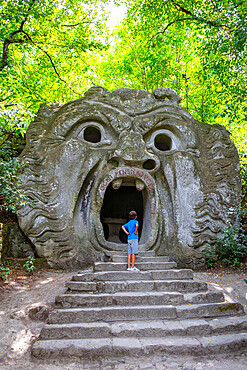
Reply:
x=92, y=134
x=163, y=142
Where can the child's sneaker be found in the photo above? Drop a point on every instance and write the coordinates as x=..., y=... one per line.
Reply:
x=129, y=269
x=135, y=269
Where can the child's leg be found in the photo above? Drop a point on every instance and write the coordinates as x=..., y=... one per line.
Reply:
x=129, y=252
x=129, y=255
x=133, y=260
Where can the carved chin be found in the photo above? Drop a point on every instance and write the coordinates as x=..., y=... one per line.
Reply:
x=119, y=192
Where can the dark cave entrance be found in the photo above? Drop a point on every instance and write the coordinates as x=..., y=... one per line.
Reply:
x=115, y=210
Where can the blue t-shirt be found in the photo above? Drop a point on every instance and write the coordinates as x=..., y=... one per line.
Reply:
x=130, y=227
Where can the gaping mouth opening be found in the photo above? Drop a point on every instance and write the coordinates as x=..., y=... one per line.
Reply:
x=118, y=202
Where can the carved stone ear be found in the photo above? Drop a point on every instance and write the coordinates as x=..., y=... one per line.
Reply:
x=96, y=90
x=161, y=93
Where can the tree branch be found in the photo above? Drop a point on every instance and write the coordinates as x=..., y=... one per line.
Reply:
x=202, y=20
x=25, y=19
x=6, y=139
x=170, y=24
x=10, y=40
x=3, y=99
x=180, y=8
x=52, y=63
x=45, y=52
x=70, y=25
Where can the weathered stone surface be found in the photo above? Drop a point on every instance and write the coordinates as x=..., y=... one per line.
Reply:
x=95, y=348
x=141, y=317
x=120, y=298
x=80, y=330
x=148, y=328
x=113, y=313
x=139, y=259
x=89, y=348
x=15, y=243
x=82, y=286
x=39, y=313
x=92, y=160
x=144, y=266
x=210, y=310
x=130, y=298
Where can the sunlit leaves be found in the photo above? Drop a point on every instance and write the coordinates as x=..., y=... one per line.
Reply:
x=45, y=43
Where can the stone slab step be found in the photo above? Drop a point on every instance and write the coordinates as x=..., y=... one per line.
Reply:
x=130, y=275
x=124, y=252
x=123, y=259
x=143, y=266
x=140, y=312
x=149, y=328
x=100, y=347
x=210, y=310
x=113, y=313
x=137, y=286
x=135, y=298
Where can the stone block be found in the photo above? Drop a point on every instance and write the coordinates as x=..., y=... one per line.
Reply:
x=75, y=315
x=89, y=348
x=126, y=346
x=76, y=330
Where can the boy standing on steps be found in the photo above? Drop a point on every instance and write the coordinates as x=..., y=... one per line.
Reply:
x=131, y=229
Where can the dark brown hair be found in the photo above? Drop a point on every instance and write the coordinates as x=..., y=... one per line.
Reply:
x=132, y=215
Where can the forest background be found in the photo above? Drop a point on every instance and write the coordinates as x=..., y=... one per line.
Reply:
x=54, y=50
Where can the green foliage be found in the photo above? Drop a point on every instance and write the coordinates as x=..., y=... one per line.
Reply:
x=4, y=271
x=29, y=264
x=54, y=51
x=44, y=47
x=13, y=122
x=197, y=48
x=230, y=247
x=243, y=172
x=210, y=257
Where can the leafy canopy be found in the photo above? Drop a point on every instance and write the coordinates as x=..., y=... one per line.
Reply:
x=54, y=50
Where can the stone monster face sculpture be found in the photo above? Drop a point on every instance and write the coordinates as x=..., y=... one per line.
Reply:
x=92, y=160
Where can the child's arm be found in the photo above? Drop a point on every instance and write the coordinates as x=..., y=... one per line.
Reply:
x=126, y=232
x=136, y=232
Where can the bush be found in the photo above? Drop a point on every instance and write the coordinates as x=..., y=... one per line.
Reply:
x=210, y=257
x=29, y=264
x=4, y=271
x=13, y=124
x=231, y=247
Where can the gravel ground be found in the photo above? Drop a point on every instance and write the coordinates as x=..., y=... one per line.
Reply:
x=23, y=293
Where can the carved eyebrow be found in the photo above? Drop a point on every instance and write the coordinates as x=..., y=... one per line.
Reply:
x=65, y=123
x=82, y=122
x=146, y=123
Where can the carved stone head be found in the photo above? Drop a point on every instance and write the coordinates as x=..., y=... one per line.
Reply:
x=92, y=160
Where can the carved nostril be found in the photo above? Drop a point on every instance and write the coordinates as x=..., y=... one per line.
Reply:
x=113, y=162
x=149, y=164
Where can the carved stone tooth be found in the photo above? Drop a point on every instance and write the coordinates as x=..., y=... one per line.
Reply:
x=117, y=183
x=139, y=185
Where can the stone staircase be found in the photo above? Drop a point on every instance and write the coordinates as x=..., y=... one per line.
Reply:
x=113, y=312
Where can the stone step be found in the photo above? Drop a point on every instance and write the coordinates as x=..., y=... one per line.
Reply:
x=149, y=328
x=137, y=286
x=210, y=310
x=124, y=253
x=92, y=348
x=117, y=313
x=123, y=259
x=136, y=298
x=130, y=275
x=143, y=266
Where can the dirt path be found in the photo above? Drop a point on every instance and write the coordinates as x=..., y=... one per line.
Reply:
x=18, y=331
